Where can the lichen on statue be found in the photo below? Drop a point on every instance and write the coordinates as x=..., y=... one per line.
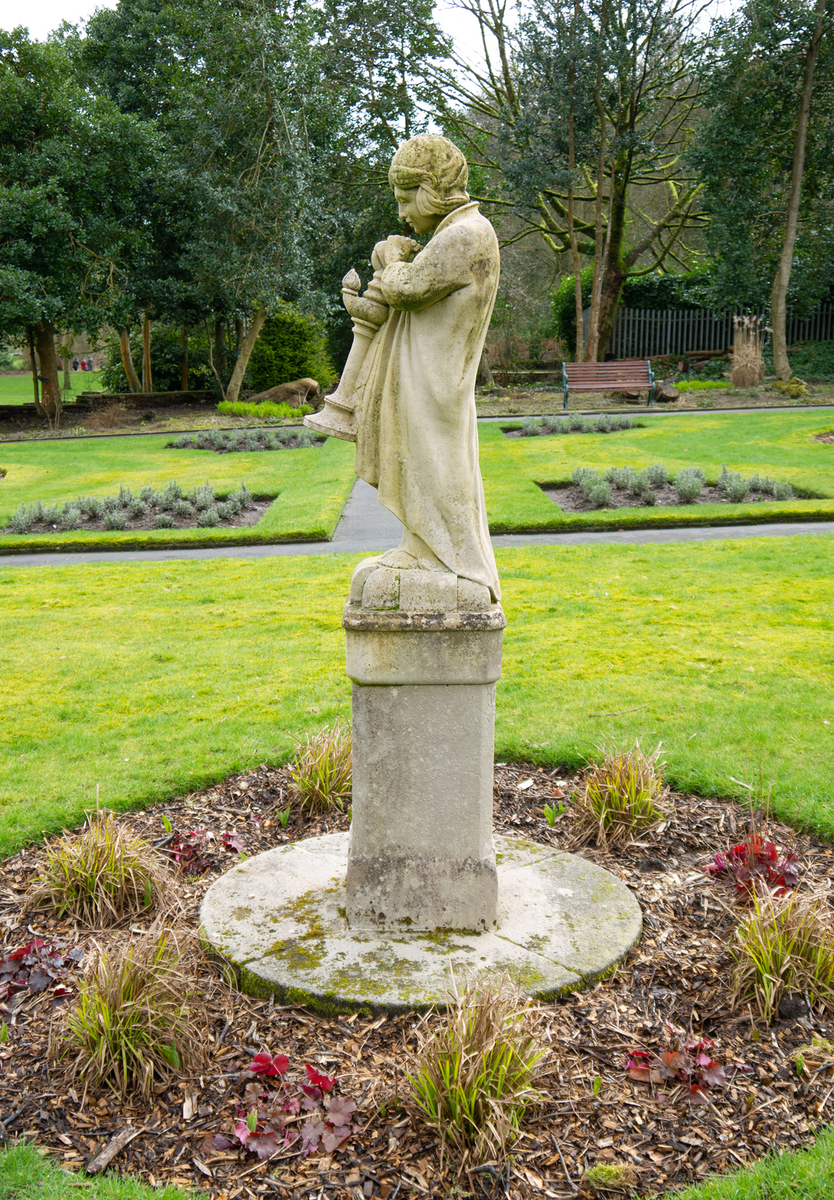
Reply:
x=417, y=434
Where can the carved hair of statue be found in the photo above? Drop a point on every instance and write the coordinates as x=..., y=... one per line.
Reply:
x=437, y=168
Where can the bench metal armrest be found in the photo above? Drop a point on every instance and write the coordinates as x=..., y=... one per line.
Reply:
x=651, y=383
x=565, y=385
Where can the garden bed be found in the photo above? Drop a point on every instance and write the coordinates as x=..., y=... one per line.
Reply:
x=593, y=1113
x=169, y=508
x=571, y=498
x=245, y=441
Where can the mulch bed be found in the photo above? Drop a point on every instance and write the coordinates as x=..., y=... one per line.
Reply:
x=571, y=498
x=826, y=437
x=594, y=1113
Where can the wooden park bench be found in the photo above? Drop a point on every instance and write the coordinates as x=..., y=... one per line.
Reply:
x=627, y=375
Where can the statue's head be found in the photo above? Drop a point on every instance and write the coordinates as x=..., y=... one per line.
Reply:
x=429, y=176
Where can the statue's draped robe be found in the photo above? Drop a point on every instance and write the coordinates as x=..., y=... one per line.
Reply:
x=417, y=440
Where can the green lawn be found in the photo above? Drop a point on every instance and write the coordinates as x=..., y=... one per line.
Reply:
x=17, y=389
x=311, y=486
x=781, y=445
x=152, y=679
x=807, y=1175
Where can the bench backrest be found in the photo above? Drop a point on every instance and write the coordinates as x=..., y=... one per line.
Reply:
x=627, y=370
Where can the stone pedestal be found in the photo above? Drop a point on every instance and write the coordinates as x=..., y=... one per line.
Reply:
x=423, y=656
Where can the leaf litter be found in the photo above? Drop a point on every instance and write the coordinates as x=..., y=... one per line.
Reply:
x=650, y=1070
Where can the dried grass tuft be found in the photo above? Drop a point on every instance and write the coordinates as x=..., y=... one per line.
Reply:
x=138, y=1022
x=321, y=772
x=785, y=946
x=102, y=876
x=621, y=795
x=475, y=1076
x=748, y=347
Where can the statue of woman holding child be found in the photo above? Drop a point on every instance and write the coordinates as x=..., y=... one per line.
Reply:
x=410, y=378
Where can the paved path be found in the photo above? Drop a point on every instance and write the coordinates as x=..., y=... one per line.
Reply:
x=366, y=525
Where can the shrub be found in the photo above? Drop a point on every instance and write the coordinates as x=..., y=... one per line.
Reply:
x=786, y=945
x=71, y=516
x=291, y=345
x=321, y=770
x=599, y=494
x=586, y=477
x=137, y=1021
x=164, y=521
x=783, y=491
x=202, y=497
x=700, y=385
x=736, y=487
x=207, y=518
x=125, y=496
x=657, y=475
x=620, y=477
x=604, y=424
x=147, y=494
x=475, y=1076
x=555, y=424
x=530, y=427
x=91, y=506
x=23, y=520
x=115, y=519
x=101, y=876
x=639, y=483
x=576, y=422
x=620, y=795
x=688, y=484
x=137, y=507
x=182, y=508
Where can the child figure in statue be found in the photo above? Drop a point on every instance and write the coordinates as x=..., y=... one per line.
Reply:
x=417, y=434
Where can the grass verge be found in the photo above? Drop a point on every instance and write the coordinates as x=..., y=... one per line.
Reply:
x=781, y=445
x=310, y=486
x=153, y=679
x=17, y=388
x=27, y=1175
x=802, y=1175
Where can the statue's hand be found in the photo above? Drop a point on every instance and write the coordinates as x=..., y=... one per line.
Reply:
x=395, y=248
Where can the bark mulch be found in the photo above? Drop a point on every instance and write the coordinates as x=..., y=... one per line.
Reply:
x=593, y=1112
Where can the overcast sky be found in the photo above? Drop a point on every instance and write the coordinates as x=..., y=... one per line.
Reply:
x=42, y=16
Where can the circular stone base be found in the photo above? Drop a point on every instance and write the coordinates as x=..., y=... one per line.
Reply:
x=279, y=920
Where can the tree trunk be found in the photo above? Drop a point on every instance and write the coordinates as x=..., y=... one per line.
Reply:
x=778, y=299
x=127, y=362
x=615, y=273
x=484, y=377
x=48, y=369
x=220, y=347
x=183, y=359
x=147, y=377
x=574, y=249
x=600, y=238
x=233, y=390
x=30, y=335
x=66, y=386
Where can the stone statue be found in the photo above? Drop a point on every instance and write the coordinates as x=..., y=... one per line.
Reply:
x=407, y=394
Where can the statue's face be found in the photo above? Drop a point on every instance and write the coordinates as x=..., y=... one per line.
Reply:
x=407, y=203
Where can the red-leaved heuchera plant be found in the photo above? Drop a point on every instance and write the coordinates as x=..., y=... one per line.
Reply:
x=688, y=1062
x=756, y=861
x=306, y=1111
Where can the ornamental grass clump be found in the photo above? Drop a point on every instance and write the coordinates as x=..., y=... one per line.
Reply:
x=475, y=1076
x=785, y=946
x=621, y=795
x=321, y=772
x=138, y=1022
x=102, y=876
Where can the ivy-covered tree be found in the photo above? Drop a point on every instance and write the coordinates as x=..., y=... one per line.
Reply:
x=766, y=155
